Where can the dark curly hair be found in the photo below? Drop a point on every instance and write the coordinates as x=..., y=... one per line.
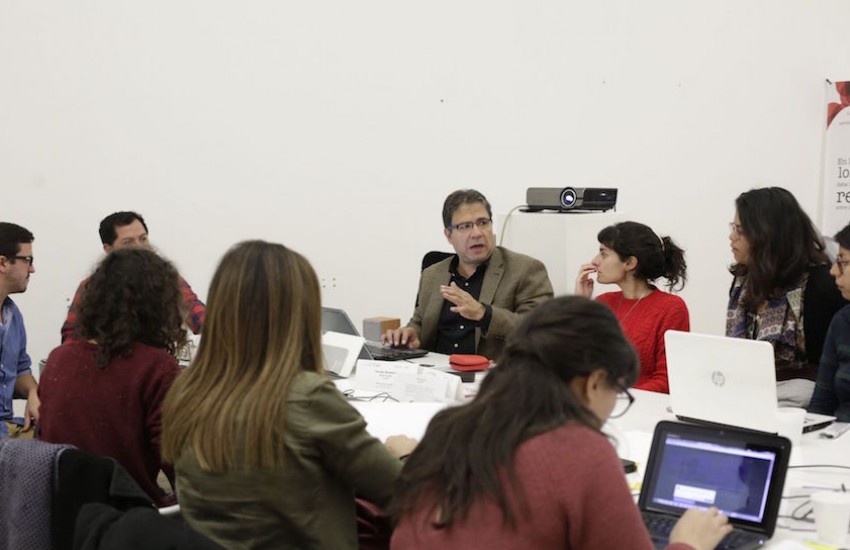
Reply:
x=133, y=296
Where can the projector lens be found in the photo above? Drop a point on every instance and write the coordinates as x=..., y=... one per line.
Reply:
x=568, y=197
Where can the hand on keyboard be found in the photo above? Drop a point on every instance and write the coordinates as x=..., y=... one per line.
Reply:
x=405, y=337
x=702, y=529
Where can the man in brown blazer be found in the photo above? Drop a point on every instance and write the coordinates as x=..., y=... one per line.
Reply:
x=470, y=302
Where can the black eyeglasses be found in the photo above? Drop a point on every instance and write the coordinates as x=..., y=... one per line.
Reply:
x=465, y=227
x=625, y=400
x=27, y=259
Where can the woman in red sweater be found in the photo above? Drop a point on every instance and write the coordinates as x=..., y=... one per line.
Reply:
x=103, y=392
x=632, y=257
x=525, y=465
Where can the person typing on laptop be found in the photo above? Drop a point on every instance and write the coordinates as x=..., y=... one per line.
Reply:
x=525, y=463
x=469, y=302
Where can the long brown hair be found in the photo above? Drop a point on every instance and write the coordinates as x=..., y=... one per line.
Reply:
x=467, y=449
x=133, y=296
x=784, y=243
x=262, y=328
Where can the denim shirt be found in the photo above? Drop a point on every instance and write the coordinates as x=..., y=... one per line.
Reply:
x=14, y=360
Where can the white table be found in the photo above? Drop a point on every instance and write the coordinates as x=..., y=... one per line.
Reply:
x=633, y=434
x=435, y=361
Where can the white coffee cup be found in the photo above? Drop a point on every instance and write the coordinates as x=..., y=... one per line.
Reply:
x=832, y=516
x=790, y=423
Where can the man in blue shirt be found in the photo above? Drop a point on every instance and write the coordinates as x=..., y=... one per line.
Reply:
x=16, y=266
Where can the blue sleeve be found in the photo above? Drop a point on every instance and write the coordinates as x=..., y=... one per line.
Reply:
x=24, y=361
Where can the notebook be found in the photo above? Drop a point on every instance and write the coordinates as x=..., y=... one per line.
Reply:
x=337, y=320
x=741, y=472
x=725, y=381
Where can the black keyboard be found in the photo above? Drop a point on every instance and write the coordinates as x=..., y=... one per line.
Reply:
x=659, y=527
x=387, y=353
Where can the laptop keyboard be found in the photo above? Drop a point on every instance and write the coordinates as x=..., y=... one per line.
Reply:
x=386, y=353
x=660, y=526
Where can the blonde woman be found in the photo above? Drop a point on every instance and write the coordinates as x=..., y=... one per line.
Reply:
x=267, y=452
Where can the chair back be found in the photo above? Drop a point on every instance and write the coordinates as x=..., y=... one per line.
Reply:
x=27, y=468
x=433, y=257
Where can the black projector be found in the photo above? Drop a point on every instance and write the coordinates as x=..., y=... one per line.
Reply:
x=566, y=199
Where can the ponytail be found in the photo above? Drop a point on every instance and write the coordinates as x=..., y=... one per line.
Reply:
x=675, y=267
x=656, y=256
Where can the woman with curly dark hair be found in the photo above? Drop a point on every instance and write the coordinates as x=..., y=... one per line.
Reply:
x=103, y=392
x=782, y=292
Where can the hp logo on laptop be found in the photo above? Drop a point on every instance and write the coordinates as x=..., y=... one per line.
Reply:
x=718, y=379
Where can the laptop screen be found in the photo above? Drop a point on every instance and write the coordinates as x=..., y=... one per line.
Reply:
x=336, y=320
x=739, y=472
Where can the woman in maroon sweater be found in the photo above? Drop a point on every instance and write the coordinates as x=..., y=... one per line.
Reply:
x=525, y=465
x=632, y=257
x=103, y=393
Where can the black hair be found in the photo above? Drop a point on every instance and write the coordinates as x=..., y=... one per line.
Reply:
x=467, y=449
x=783, y=241
x=461, y=197
x=117, y=219
x=133, y=296
x=843, y=237
x=12, y=236
x=656, y=256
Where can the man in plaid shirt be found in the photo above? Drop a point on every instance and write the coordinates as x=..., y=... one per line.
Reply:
x=128, y=230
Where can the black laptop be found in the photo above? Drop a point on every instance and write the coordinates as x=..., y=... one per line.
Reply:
x=741, y=472
x=337, y=320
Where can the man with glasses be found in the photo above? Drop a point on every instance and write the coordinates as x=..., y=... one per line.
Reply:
x=129, y=230
x=469, y=302
x=16, y=266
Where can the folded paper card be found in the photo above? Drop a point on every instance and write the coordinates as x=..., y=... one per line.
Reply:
x=407, y=381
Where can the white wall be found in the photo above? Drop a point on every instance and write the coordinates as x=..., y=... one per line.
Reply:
x=338, y=127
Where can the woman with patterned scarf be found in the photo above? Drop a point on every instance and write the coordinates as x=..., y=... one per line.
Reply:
x=782, y=292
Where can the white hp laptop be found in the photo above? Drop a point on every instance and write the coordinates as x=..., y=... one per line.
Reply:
x=726, y=381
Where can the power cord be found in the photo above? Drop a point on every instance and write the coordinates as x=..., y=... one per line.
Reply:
x=507, y=218
x=382, y=397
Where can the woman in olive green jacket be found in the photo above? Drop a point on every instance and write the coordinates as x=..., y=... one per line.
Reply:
x=267, y=452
